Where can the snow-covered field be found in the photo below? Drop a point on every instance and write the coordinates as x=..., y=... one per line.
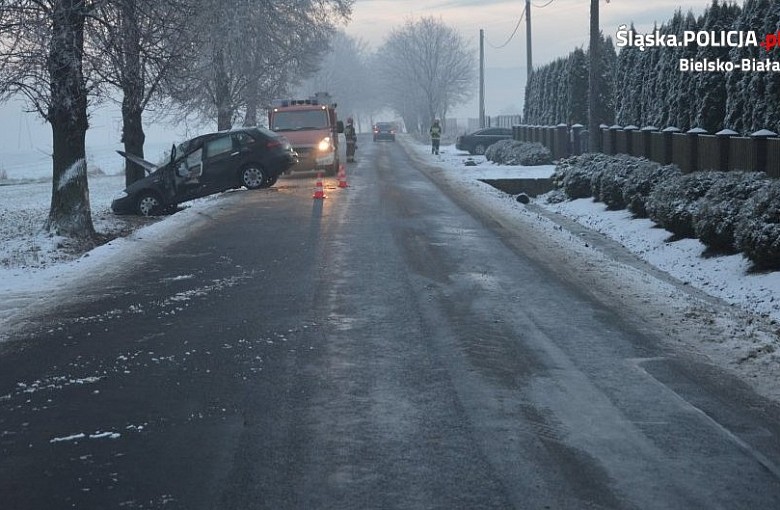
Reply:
x=34, y=265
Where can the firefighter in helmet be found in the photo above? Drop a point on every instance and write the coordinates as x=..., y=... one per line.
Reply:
x=351, y=136
x=435, y=133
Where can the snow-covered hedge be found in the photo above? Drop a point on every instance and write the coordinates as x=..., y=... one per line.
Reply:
x=674, y=201
x=716, y=217
x=611, y=182
x=726, y=211
x=574, y=174
x=642, y=181
x=514, y=152
x=757, y=233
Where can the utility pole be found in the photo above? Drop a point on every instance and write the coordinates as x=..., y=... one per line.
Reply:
x=481, y=78
x=593, y=77
x=528, y=38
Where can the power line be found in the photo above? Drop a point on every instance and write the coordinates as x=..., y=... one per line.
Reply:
x=517, y=27
x=543, y=6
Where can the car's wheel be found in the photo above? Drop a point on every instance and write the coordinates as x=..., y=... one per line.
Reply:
x=270, y=181
x=333, y=169
x=253, y=176
x=479, y=149
x=149, y=204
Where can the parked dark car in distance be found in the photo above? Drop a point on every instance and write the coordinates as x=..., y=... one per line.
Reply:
x=478, y=141
x=384, y=131
x=253, y=157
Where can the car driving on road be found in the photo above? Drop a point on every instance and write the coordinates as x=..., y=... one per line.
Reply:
x=384, y=131
x=252, y=157
x=478, y=141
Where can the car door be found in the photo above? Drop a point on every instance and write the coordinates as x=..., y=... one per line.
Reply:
x=186, y=173
x=221, y=160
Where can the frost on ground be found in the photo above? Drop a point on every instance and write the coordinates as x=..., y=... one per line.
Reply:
x=23, y=211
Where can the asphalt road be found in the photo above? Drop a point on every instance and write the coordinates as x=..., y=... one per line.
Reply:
x=387, y=347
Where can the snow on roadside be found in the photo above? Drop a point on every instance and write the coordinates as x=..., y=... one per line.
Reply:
x=36, y=268
x=654, y=279
x=724, y=277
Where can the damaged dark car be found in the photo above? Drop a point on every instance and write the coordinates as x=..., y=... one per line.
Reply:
x=250, y=157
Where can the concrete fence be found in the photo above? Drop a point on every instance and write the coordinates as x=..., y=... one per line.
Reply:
x=691, y=151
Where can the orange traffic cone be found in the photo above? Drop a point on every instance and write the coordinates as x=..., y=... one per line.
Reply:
x=342, y=176
x=319, y=192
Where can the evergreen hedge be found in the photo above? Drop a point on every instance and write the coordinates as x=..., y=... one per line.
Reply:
x=757, y=233
x=514, y=152
x=728, y=212
x=716, y=218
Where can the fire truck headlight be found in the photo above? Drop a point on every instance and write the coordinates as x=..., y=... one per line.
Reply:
x=325, y=145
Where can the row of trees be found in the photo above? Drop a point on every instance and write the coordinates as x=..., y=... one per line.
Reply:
x=216, y=59
x=646, y=87
x=420, y=72
x=558, y=91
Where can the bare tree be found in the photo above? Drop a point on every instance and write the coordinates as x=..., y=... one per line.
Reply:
x=344, y=73
x=138, y=45
x=427, y=69
x=251, y=50
x=42, y=57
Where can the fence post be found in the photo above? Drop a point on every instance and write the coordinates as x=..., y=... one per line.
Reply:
x=603, y=139
x=576, y=139
x=613, y=130
x=647, y=141
x=724, y=148
x=629, y=134
x=669, y=144
x=760, y=148
x=562, y=147
x=693, y=146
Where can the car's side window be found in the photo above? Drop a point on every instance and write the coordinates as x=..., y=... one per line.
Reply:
x=190, y=167
x=218, y=146
x=242, y=140
x=194, y=158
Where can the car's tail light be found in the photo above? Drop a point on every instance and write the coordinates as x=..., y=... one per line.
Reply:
x=273, y=143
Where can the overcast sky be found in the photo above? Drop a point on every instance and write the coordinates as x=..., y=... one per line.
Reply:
x=558, y=27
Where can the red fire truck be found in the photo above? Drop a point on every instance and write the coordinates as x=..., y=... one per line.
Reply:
x=312, y=128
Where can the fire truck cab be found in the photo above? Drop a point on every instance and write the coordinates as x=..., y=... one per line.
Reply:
x=312, y=128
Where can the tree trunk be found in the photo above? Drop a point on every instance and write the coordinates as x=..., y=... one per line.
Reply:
x=133, y=89
x=250, y=119
x=69, y=214
x=133, y=138
x=222, y=93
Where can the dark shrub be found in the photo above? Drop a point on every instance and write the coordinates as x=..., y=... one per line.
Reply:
x=757, y=233
x=642, y=181
x=674, y=201
x=498, y=152
x=715, y=219
x=612, y=179
x=555, y=196
x=576, y=174
x=514, y=152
